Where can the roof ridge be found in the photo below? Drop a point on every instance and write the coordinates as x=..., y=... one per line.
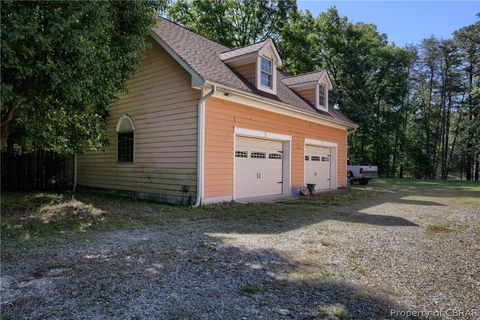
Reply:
x=194, y=32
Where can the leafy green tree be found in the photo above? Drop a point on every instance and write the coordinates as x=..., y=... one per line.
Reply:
x=467, y=40
x=63, y=63
x=368, y=76
x=234, y=23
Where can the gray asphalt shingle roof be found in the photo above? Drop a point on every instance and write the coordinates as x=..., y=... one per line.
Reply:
x=304, y=78
x=243, y=50
x=203, y=56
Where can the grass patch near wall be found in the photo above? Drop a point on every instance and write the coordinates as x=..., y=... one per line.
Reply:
x=432, y=184
x=31, y=217
x=28, y=218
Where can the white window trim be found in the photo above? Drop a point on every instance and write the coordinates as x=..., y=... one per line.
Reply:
x=119, y=122
x=317, y=100
x=258, y=75
x=269, y=74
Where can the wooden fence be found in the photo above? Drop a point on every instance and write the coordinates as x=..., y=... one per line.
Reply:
x=40, y=170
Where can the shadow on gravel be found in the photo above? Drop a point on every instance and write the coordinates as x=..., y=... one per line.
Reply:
x=162, y=276
x=419, y=202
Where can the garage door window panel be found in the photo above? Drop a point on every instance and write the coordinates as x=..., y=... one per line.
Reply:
x=241, y=154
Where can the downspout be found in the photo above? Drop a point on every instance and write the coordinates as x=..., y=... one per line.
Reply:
x=200, y=143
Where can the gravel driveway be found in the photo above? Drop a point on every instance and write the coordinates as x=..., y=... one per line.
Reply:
x=401, y=249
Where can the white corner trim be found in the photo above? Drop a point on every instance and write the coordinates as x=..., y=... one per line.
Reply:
x=197, y=80
x=261, y=134
x=320, y=143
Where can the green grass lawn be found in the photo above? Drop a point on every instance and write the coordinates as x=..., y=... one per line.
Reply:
x=462, y=184
x=33, y=218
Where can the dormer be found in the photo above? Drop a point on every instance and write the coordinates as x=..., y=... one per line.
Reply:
x=312, y=87
x=257, y=63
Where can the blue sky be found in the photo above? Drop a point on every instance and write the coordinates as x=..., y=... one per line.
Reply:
x=404, y=21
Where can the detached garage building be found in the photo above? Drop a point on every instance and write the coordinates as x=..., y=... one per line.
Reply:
x=204, y=123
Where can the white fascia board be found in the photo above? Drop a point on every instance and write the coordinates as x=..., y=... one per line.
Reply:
x=261, y=134
x=320, y=143
x=303, y=84
x=242, y=59
x=197, y=80
x=258, y=102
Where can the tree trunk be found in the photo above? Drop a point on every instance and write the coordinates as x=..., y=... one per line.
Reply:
x=477, y=167
x=6, y=123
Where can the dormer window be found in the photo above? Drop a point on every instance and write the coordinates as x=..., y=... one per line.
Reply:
x=257, y=63
x=313, y=87
x=266, y=72
x=322, y=97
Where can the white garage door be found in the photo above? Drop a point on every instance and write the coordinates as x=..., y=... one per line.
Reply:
x=317, y=166
x=258, y=167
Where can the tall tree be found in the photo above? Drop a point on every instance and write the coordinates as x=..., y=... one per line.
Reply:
x=63, y=63
x=234, y=23
x=367, y=73
x=468, y=41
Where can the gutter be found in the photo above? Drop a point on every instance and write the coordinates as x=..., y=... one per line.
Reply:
x=201, y=144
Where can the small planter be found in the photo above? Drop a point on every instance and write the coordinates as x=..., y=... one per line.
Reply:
x=311, y=188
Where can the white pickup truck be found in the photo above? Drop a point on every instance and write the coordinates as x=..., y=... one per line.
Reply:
x=362, y=174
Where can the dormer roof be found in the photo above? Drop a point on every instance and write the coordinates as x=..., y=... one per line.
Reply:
x=200, y=56
x=258, y=48
x=308, y=78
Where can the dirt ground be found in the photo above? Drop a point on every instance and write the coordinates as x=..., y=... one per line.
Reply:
x=389, y=250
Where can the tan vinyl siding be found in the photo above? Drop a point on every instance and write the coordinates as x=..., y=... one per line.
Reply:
x=163, y=107
x=248, y=71
x=307, y=93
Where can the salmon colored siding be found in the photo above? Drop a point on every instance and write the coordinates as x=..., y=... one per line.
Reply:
x=221, y=117
x=307, y=94
x=248, y=71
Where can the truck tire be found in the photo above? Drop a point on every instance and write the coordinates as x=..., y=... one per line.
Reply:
x=363, y=181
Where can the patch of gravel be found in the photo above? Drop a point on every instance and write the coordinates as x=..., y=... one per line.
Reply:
x=358, y=261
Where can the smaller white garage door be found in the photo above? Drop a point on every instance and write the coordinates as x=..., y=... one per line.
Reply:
x=258, y=167
x=317, y=166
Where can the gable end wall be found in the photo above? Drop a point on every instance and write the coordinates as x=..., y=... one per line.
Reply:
x=163, y=107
